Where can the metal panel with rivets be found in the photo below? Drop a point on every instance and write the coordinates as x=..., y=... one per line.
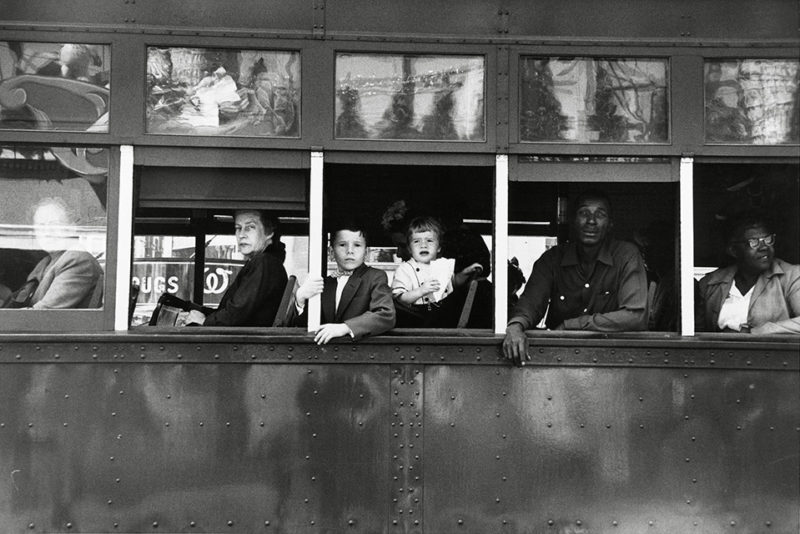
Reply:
x=251, y=433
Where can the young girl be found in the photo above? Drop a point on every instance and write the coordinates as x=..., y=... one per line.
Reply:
x=422, y=283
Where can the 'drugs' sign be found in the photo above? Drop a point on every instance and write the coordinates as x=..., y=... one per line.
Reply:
x=176, y=277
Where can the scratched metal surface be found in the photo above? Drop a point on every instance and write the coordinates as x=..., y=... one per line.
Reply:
x=263, y=435
x=193, y=448
x=566, y=450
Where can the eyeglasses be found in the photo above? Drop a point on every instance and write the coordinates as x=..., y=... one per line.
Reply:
x=755, y=242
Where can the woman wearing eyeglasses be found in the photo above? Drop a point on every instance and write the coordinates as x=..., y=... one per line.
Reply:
x=759, y=294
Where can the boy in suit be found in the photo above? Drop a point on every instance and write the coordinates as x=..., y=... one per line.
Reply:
x=356, y=300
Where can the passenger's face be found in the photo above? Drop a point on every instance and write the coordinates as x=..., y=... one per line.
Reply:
x=424, y=246
x=592, y=221
x=753, y=260
x=51, y=226
x=349, y=249
x=250, y=234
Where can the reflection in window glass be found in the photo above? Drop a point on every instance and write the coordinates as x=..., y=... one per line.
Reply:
x=381, y=96
x=752, y=101
x=52, y=227
x=204, y=91
x=588, y=100
x=54, y=86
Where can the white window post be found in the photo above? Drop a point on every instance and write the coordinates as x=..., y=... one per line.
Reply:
x=316, y=240
x=124, y=237
x=687, y=245
x=500, y=243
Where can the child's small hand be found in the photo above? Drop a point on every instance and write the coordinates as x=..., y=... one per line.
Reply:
x=310, y=288
x=329, y=331
x=475, y=268
x=430, y=286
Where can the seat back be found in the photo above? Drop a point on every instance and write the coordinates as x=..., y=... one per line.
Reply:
x=287, y=301
x=96, y=301
x=466, y=310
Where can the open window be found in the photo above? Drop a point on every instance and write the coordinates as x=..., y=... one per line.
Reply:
x=386, y=198
x=184, y=243
x=644, y=211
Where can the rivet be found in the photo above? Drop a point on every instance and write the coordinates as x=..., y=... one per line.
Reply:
x=31, y=526
x=192, y=524
x=687, y=460
x=230, y=523
x=69, y=525
x=497, y=499
x=351, y=522
x=733, y=523
x=460, y=521
x=142, y=356
x=166, y=424
x=111, y=458
x=614, y=523
x=550, y=522
x=216, y=356
x=110, y=501
x=155, y=524
x=117, y=480
x=650, y=523
x=417, y=349
x=768, y=523
x=577, y=351
x=266, y=523
x=578, y=522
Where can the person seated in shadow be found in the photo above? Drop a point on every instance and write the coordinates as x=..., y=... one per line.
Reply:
x=759, y=293
x=68, y=276
x=657, y=244
x=254, y=296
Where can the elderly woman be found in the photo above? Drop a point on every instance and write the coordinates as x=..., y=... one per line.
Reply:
x=759, y=294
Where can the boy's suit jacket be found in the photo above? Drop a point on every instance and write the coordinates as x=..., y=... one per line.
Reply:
x=366, y=305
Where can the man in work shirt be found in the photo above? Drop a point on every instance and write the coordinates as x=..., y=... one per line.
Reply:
x=593, y=283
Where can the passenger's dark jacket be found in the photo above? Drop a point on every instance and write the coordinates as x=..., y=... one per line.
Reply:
x=254, y=296
x=366, y=305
